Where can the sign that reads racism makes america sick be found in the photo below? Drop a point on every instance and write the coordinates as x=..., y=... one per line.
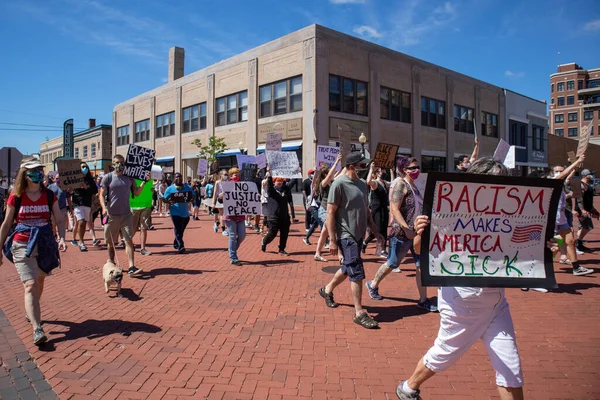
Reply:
x=489, y=231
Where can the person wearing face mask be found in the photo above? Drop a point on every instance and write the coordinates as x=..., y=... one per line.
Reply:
x=61, y=195
x=82, y=206
x=30, y=206
x=278, y=217
x=235, y=224
x=406, y=202
x=586, y=210
x=116, y=209
x=464, y=162
x=179, y=195
x=217, y=204
x=307, y=195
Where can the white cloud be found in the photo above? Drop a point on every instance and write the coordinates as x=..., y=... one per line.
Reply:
x=367, y=31
x=592, y=25
x=447, y=8
x=348, y=1
x=512, y=74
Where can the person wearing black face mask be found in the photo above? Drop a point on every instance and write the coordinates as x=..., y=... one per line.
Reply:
x=82, y=206
x=278, y=216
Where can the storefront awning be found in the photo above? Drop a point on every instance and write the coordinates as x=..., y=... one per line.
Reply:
x=230, y=152
x=290, y=145
x=164, y=159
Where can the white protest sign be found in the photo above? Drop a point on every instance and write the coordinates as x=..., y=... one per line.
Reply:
x=261, y=160
x=244, y=159
x=421, y=182
x=284, y=164
x=501, y=150
x=241, y=198
x=510, y=160
x=489, y=231
x=156, y=173
x=327, y=155
x=274, y=141
x=202, y=167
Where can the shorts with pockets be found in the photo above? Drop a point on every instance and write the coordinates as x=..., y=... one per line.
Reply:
x=118, y=223
x=352, y=265
x=27, y=267
x=397, y=251
x=141, y=218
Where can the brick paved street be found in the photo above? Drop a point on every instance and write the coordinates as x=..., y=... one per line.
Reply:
x=195, y=326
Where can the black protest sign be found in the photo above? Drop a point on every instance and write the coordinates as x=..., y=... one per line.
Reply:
x=70, y=173
x=249, y=172
x=385, y=155
x=182, y=197
x=241, y=198
x=139, y=161
x=488, y=231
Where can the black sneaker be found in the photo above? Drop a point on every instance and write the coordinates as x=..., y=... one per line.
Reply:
x=236, y=262
x=134, y=271
x=182, y=250
x=427, y=305
x=283, y=253
x=582, y=271
x=373, y=292
x=583, y=248
x=263, y=246
x=306, y=241
x=39, y=337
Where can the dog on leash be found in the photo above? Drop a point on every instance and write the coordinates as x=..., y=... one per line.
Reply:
x=112, y=274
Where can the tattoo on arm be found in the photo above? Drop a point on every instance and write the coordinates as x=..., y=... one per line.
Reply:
x=398, y=193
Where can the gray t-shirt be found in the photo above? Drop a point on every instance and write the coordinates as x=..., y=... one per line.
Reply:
x=351, y=199
x=119, y=189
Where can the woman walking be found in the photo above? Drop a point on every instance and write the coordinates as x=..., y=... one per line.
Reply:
x=82, y=206
x=379, y=207
x=235, y=224
x=30, y=206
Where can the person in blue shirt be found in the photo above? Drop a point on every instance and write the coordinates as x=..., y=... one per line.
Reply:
x=178, y=196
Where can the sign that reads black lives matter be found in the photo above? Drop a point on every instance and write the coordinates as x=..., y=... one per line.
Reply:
x=241, y=198
x=489, y=231
x=139, y=161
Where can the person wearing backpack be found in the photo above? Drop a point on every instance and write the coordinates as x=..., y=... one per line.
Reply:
x=29, y=208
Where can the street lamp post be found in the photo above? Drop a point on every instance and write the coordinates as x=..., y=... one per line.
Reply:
x=241, y=147
x=362, y=139
x=94, y=167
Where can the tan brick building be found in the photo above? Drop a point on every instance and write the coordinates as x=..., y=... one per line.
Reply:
x=49, y=151
x=306, y=85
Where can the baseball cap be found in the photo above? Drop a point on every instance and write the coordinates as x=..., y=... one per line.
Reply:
x=585, y=172
x=355, y=157
x=278, y=179
x=311, y=171
x=31, y=163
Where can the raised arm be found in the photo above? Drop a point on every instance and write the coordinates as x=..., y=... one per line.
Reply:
x=370, y=181
x=325, y=182
x=475, y=154
x=570, y=168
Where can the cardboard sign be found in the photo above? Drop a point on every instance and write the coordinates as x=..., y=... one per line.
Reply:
x=284, y=164
x=156, y=173
x=244, y=159
x=489, y=231
x=385, y=155
x=261, y=161
x=576, y=187
x=181, y=197
x=421, y=182
x=249, y=172
x=139, y=161
x=202, y=167
x=501, y=151
x=327, y=155
x=511, y=158
x=584, y=139
x=274, y=141
x=241, y=198
x=345, y=145
x=70, y=174
x=571, y=155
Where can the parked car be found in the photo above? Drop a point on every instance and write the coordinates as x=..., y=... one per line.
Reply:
x=596, y=186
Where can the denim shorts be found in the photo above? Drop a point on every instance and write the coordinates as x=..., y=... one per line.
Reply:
x=352, y=264
x=322, y=214
x=397, y=251
x=569, y=216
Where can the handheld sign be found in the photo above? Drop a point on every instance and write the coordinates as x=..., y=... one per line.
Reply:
x=489, y=231
x=240, y=198
x=327, y=155
x=274, y=141
x=261, y=161
x=138, y=162
x=510, y=160
x=576, y=187
x=385, y=155
x=249, y=172
x=571, y=155
x=501, y=151
x=284, y=164
x=202, y=166
x=156, y=172
x=182, y=197
x=345, y=145
x=244, y=159
x=70, y=174
x=584, y=139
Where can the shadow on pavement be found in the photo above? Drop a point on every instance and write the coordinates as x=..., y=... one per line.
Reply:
x=574, y=288
x=169, y=271
x=385, y=314
x=268, y=263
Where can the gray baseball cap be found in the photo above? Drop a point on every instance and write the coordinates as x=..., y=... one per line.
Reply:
x=585, y=172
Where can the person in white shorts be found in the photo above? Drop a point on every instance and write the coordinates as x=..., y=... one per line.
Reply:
x=82, y=206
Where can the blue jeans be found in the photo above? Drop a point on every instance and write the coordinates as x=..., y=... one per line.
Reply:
x=237, y=234
x=398, y=250
x=179, y=225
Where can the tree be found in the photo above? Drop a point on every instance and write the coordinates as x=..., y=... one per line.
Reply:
x=211, y=151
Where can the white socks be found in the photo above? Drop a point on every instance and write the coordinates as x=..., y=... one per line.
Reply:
x=407, y=389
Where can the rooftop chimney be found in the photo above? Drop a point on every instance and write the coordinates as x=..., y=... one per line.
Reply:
x=91, y=123
x=176, y=61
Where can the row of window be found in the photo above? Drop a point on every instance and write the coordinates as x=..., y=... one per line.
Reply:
x=348, y=95
x=573, y=116
x=561, y=100
x=281, y=97
x=560, y=86
x=572, y=132
x=85, y=151
x=518, y=135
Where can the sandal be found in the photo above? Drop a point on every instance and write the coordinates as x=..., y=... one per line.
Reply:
x=319, y=258
x=565, y=261
x=366, y=321
x=328, y=298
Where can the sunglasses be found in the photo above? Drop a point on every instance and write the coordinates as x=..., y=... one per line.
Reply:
x=415, y=168
x=361, y=165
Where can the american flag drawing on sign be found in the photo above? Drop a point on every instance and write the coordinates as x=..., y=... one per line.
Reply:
x=528, y=233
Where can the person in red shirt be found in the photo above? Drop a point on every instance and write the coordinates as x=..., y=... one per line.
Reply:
x=33, y=230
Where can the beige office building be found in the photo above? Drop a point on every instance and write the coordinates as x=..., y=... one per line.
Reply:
x=308, y=85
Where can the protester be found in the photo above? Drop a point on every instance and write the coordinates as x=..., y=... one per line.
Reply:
x=161, y=189
x=82, y=206
x=322, y=187
x=347, y=219
x=32, y=246
x=235, y=224
x=313, y=202
x=114, y=198
x=278, y=217
x=379, y=207
x=585, y=209
x=61, y=196
x=197, y=189
x=208, y=195
x=178, y=196
x=141, y=208
x=307, y=199
x=464, y=162
x=217, y=203
x=405, y=206
x=467, y=315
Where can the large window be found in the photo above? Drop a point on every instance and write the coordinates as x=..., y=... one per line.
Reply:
x=560, y=87
x=93, y=150
x=570, y=85
x=572, y=132
x=142, y=131
x=580, y=84
x=561, y=101
x=463, y=119
x=433, y=164
x=489, y=124
x=538, y=138
x=85, y=152
x=433, y=113
x=552, y=88
x=122, y=135
x=348, y=95
x=76, y=152
x=395, y=105
x=589, y=115
x=559, y=132
x=572, y=117
x=232, y=109
x=593, y=83
x=559, y=118
x=194, y=118
x=281, y=97
x=165, y=125
x=517, y=134
x=570, y=100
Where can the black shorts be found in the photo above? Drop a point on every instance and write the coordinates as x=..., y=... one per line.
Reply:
x=353, y=263
x=586, y=223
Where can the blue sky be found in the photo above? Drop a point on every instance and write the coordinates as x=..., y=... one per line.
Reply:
x=78, y=58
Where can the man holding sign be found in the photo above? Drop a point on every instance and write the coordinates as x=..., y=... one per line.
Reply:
x=179, y=195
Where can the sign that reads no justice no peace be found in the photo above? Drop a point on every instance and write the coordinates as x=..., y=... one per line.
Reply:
x=241, y=198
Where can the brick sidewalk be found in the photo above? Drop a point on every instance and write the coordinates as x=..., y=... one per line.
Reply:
x=195, y=326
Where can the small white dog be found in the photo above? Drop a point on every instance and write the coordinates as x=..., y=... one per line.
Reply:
x=112, y=274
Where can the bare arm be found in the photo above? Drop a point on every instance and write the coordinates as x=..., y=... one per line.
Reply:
x=396, y=201
x=330, y=222
x=325, y=182
x=475, y=154
x=570, y=168
x=215, y=191
x=102, y=198
x=9, y=217
x=60, y=222
x=370, y=181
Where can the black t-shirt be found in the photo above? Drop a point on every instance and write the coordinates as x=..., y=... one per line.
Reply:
x=588, y=198
x=306, y=186
x=379, y=197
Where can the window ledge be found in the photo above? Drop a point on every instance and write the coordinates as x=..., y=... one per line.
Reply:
x=230, y=126
x=280, y=117
x=198, y=132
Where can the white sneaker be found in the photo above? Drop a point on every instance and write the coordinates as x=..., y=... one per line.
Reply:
x=579, y=252
x=541, y=290
x=396, y=270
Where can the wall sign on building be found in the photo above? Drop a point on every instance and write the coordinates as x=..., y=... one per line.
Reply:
x=68, y=142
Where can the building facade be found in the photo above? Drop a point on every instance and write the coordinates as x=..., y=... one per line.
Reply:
x=575, y=101
x=93, y=145
x=309, y=85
